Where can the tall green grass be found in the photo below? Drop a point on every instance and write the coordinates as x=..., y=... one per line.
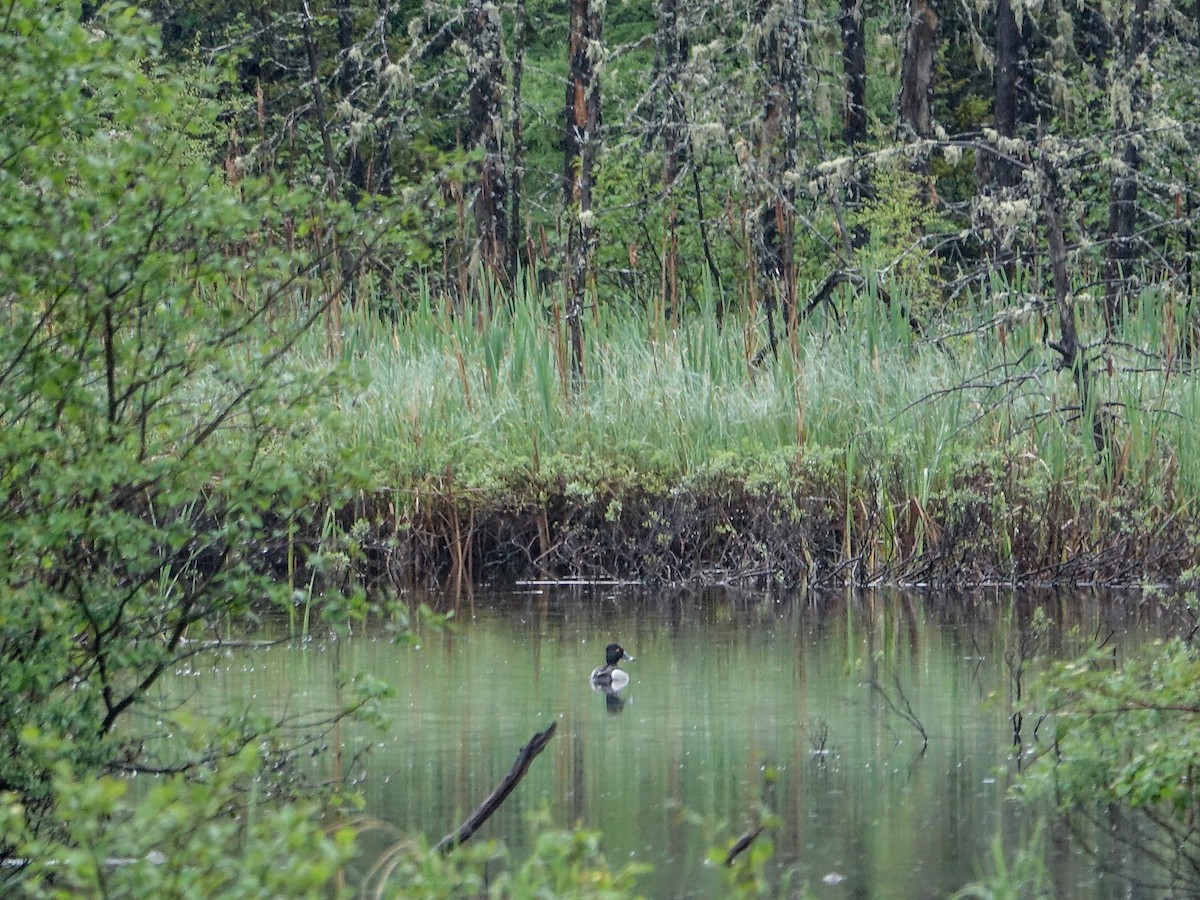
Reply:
x=484, y=399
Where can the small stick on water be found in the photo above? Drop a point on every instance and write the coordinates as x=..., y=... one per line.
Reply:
x=475, y=821
x=741, y=844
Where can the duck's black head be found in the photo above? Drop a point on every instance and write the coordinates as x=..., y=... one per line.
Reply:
x=614, y=653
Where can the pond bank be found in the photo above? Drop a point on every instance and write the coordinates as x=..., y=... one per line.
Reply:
x=793, y=532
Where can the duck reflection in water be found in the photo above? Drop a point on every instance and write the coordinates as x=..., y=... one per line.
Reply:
x=613, y=702
x=608, y=679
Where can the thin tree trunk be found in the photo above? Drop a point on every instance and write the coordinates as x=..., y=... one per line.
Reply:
x=780, y=57
x=916, y=71
x=854, y=105
x=381, y=163
x=1005, y=85
x=1123, y=191
x=333, y=180
x=999, y=174
x=672, y=52
x=517, y=130
x=581, y=147
x=915, y=114
x=323, y=124
x=485, y=78
x=854, y=73
x=791, y=75
x=1070, y=351
x=356, y=170
x=714, y=271
x=766, y=236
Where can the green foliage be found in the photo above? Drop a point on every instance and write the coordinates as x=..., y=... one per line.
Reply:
x=1127, y=734
x=561, y=863
x=175, y=838
x=898, y=219
x=568, y=862
x=1125, y=745
x=143, y=489
x=1018, y=876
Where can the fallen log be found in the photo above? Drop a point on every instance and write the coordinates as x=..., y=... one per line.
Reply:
x=536, y=745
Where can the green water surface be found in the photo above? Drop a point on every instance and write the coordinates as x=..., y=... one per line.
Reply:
x=811, y=707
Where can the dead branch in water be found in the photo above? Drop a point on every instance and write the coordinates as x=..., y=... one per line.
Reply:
x=901, y=706
x=741, y=844
x=475, y=821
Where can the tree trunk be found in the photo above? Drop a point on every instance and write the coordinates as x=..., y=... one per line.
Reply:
x=999, y=174
x=319, y=106
x=915, y=114
x=355, y=182
x=854, y=104
x=1006, y=76
x=916, y=71
x=854, y=73
x=581, y=146
x=672, y=53
x=1070, y=351
x=517, y=130
x=485, y=82
x=381, y=163
x=791, y=73
x=779, y=56
x=1123, y=190
x=346, y=261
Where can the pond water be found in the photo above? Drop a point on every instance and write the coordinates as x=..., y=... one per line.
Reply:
x=811, y=706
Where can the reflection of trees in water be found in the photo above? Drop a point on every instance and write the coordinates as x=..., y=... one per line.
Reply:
x=1147, y=848
x=729, y=681
x=1115, y=745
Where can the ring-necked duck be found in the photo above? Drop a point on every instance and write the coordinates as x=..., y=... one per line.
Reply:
x=609, y=674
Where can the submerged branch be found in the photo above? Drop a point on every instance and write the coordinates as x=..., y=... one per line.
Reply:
x=901, y=706
x=742, y=843
x=475, y=821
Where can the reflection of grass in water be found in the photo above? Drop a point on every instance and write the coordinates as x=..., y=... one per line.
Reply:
x=724, y=684
x=721, y=687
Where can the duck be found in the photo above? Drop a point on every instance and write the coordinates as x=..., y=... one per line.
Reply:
x=608, y=674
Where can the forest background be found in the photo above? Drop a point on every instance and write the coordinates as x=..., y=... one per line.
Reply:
x=985, y=210
x=315, y=297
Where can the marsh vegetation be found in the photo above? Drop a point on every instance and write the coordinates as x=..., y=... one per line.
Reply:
x=308, y=306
